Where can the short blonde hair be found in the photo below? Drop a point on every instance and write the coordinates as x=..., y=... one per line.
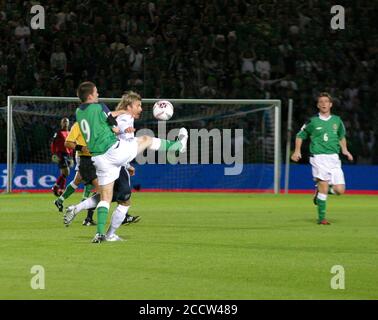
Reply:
x=127, y=99
x=325, y=94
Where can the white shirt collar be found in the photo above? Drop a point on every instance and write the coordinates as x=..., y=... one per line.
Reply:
x=325, y=118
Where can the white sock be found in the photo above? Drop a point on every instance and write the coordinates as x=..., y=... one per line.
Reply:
x=322, y=196
x=156, y=143
x=118, y=216
x=89, y=203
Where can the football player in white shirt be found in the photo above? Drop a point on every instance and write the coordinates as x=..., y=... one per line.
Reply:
x=122, y=188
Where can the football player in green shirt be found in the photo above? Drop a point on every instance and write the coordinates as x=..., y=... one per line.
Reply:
x=99, y=129
x=327, y=134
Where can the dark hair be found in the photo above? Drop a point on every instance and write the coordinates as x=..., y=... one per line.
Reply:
x=325, y=94
x=84, y=90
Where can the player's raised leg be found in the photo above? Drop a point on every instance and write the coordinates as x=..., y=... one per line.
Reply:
x=157, y=144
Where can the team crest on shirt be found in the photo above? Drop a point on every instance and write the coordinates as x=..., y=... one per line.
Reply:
x=334, y=126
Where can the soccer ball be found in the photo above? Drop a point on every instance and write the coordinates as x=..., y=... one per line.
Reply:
x=163, y=110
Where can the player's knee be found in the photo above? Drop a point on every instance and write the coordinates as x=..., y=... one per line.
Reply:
x=124, y=197
x=125, y=203
x=106, y=193
x=145, y=139
x=339, y=190
x=323, y=187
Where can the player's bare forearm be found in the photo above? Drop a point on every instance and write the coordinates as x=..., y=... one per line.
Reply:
x=296, y=156
x=130, y=130
x=343, y=145
x=344, y=149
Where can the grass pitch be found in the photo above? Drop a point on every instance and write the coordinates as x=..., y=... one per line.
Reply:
x=193, y=246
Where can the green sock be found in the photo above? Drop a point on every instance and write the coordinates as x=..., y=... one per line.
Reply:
x=170, y=145
x=87, y=191
x=321, y=208
x=69, y=190
x=102, y=214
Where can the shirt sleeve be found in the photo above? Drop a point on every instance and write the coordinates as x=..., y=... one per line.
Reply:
x=109, y=118
x=105, y=109
x=123, y=124
x=304, y=132
x=72, y=136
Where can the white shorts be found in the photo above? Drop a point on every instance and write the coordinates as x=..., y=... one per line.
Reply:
x=108, y=165
x=327, y=167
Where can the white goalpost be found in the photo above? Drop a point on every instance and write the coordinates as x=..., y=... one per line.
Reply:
x=234, y=111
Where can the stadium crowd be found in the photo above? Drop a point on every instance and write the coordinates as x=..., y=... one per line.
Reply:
x=236, y=49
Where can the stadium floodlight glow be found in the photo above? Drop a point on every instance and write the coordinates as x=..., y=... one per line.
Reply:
x=233, y=111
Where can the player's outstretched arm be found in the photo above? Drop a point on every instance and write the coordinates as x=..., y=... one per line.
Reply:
x=296, y=156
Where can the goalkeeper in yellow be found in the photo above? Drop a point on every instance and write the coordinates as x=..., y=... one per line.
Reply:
x=327, y=134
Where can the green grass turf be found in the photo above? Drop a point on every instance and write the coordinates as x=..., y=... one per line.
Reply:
x=193, y=246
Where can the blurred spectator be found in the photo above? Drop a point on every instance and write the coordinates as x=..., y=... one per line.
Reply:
x=58, y=61
x=263, y=66
x=22, y=34
x=117, y=44
x=247, y=59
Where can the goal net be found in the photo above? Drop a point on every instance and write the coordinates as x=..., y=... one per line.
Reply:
x=234, y=145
